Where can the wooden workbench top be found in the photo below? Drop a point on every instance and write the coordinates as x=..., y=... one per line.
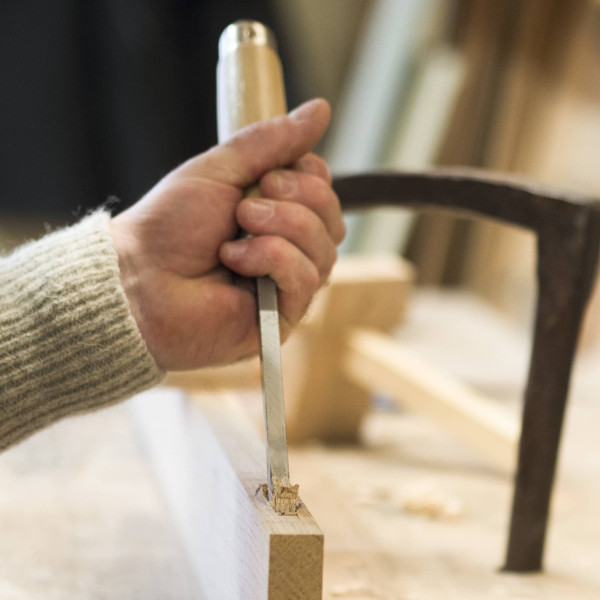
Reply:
x=410, y=515
x=82, y=519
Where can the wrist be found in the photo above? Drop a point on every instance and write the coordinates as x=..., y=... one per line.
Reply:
x=124, y=245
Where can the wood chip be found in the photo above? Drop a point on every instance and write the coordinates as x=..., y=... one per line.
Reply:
x=285, y=498
x=427, y=500
x=356, y=589
x=371, y=495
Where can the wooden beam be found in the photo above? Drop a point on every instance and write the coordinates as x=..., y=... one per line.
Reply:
x=211, y=464
x=369, y=292
x=241, y=375
x=378, y=362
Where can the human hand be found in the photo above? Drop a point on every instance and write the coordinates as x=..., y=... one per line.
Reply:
x=184, y=277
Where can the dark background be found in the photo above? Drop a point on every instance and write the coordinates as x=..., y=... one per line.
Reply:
x=103, y=97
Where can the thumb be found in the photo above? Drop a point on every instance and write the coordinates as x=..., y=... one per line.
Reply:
x=262, y=147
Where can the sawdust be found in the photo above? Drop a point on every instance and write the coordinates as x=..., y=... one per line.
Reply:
x=371, y=495
x=356, y=590
x=424, y=498
x=428, y=500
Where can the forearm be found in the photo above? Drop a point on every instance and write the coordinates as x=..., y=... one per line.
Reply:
x=68, y=342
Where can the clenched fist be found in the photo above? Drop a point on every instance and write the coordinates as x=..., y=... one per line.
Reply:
x=185, y=273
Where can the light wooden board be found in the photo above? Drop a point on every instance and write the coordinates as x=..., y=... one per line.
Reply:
x=382, y=364
x=392, y=548
x=363, y=292
x=212, y=464
x=83, y=519
x=241, y=375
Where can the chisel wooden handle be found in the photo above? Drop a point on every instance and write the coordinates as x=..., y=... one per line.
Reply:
x=249, y=78
x=250, y=89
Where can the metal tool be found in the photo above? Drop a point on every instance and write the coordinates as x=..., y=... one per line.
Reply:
x=250, y=89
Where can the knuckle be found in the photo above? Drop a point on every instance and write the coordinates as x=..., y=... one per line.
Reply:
x=311, y=280
x=268, y=183
x=314, y=165
x=329, y=260
x=324, y=170
x=275, y=249
x=341, y=232
x=302, y=222
x=315, y=280
x=329, y=200
x=316, y=196
x=254, y=130
x=284, y=183
x=254, y=135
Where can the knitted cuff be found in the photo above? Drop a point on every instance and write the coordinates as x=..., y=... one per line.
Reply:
x=68, y=341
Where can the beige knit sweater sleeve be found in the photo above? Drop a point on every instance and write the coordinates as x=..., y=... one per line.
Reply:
x=68, y=342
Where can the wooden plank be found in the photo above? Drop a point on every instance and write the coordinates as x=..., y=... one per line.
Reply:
x=377, y=362
x=367, y=292
x=82, y=519
x=240, y=375
x=378, y=73
x=527, y=134
x=211, y=465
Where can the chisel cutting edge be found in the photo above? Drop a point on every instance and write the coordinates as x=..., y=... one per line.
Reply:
x=250, y=89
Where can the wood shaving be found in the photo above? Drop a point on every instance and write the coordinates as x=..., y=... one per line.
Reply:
x=423, y=498
x=356, y=589
x=371, y=495
x=427, y=500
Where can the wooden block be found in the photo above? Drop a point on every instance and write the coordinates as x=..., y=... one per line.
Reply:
x=378, y=362
x=371, y=292
x=212, y=465
x=321, y=401
x=241, y=375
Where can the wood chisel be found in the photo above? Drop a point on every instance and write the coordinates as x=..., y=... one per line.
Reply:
x=250, y=89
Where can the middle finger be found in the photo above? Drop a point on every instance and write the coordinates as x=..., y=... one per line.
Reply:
x=293, y=222
x=310, y=191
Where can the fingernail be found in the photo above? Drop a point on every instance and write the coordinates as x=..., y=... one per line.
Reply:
x=235, y=249
x=261, y=210
x=285, y=182
x=306, y=111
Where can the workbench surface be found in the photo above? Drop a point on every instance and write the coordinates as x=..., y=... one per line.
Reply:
x=409, y=515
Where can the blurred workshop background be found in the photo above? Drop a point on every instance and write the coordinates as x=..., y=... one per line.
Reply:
x=102, y=98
